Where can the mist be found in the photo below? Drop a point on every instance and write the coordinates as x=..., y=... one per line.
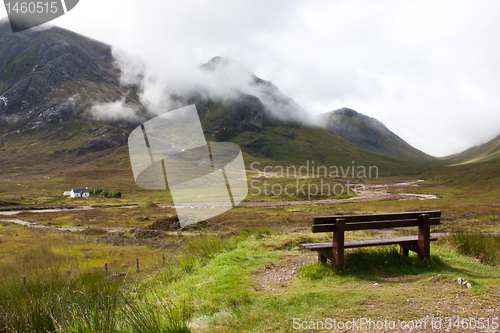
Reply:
x=220, y=79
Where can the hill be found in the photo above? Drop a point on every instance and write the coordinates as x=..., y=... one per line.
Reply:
x=489, y=151
x=371, y=134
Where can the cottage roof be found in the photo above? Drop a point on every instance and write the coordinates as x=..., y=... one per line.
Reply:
x=80, y=190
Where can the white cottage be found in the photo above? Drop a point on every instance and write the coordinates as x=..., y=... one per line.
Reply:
x=79, y=193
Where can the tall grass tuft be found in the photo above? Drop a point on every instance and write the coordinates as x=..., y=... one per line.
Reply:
x=207, y=246
x=484, y=247
x=87, y=303
x=195, y=253
x=156, y=315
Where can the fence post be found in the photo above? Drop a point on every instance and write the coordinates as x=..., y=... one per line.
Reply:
x=163, y=245
x=151, y=241
x=163, y=257
x=24, y=281
x=106, y=268
x=137, y=264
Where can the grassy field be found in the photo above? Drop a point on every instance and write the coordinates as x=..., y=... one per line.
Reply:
x=256, y=281
x=241, y=271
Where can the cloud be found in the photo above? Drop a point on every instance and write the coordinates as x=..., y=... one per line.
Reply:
x=220, y=79
x=115, y=110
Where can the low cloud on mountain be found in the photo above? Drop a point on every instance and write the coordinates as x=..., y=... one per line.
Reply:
x=220, y=79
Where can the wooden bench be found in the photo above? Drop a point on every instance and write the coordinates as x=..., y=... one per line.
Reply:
x=339, y=224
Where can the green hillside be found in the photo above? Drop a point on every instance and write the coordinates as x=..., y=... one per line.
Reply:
x=489, y=151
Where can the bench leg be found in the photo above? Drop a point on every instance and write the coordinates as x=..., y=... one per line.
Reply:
x=424, y=236
x=324, y=255
x=338, y=244
x=405, y=248
x=404, y=251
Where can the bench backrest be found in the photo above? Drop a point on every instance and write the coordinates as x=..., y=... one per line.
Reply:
x=376, y=221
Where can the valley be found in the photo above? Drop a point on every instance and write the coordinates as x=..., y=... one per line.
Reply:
x=125, y=264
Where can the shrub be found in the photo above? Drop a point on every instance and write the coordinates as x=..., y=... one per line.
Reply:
x=94, y=190
x=105, y=193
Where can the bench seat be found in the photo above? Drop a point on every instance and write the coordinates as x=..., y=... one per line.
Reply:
x=363, y=243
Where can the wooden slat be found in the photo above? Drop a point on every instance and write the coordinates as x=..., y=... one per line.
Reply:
x=332, y=227
x=382, y=241
x=380, y=225
x=324, y=228
x=364, y=242
x=434, y=215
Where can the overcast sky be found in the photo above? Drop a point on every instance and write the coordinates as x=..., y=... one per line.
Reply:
x=429, y=70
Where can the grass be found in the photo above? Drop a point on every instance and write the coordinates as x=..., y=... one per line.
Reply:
x=210, y=285
x=92, y=302
x=217, y=282
x=86, y=303
x=483, y=247
x=377, y=283
x=156, y=315
x=40, y=254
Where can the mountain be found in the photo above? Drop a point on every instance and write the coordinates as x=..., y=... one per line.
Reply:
x=52, y=79
x=371, y=134
x=276, y=104
x=486, y=152
x=41, y=69
x=49, y=78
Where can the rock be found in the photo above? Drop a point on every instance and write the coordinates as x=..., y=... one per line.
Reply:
x=106, y=141
x=167, y=223
x=289, y=134
x=98, y=131
x=280, y=141
x=246, y=113
x=464, y=282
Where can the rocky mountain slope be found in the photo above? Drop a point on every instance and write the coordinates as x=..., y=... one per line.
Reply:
x=48, y=80
x=371, y=134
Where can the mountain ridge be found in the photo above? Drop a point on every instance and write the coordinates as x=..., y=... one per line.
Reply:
x=371, y=134
x=60, y=116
